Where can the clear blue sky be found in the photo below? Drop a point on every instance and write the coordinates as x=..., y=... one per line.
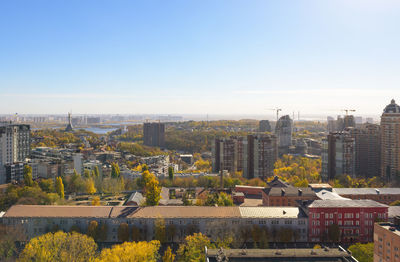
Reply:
x=198, y=56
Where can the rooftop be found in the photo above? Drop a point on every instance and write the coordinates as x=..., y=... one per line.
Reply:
x=346, y=203
x=289, y=191
x=153, y=212
x=298, y=254
x=58, y=211
x=367, y=191
x=270, y=212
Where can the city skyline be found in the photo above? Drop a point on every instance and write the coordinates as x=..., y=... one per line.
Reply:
x=226, y=57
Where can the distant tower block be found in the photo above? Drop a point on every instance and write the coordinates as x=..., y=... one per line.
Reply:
x=69, y=126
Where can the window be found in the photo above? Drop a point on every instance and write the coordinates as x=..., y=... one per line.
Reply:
x=331, y=215
x=340, y=215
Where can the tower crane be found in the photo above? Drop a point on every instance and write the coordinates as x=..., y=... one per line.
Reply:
x=277, y=112
x=348, y=110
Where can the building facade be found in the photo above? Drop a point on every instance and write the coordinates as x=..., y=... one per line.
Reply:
x=15, y=146
x=264, y=126
x=154, y=134
x=387, y=242
x=253, y=155
x=367, y=150
x=283, y=132
x=390, y=141
x=352, y=219
x=180, y=221
x=338, y=155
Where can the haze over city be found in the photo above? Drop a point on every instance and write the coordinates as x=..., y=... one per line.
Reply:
x=199, y=57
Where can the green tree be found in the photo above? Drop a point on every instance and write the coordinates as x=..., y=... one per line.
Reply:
x=96, y=171
x=192, y=249
x=28, y=175
x=60, y=187
x=123, y=232
x=363, y=252
x=115, y=171
x=171, y=173
x=168, y=255
x=59, y=246
x=86, y=173
x=47, y=185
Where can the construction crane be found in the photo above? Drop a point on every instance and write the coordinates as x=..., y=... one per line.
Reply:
x=348, y=110
x=277, y=112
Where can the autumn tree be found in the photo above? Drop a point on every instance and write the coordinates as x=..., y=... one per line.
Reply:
x=363, y=252
x=47, y=185
x=123, y=232
x=136, y=236
x=96, y=201
x=60, y=187
x=90, y=188
x=168, y=255
x=96, y=172
x=160, y=231
x=28, y=175
x=152, y=192
x=102, y=232
x=59, y=246
x=131, y=251
x=193, y=248
x=93, y=229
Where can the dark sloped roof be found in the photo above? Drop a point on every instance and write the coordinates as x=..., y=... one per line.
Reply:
x=289, y=191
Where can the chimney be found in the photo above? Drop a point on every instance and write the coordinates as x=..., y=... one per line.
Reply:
x=300, y=192
x=282, y=192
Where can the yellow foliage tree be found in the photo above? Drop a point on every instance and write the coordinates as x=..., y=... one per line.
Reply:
x=60, y=187
x=96, y=201
x=131, y=251
x=90, y=188
x=168, y=255
x=60, y=246
x=153, y=191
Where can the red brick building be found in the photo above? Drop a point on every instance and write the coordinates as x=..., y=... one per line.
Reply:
x=353, y=219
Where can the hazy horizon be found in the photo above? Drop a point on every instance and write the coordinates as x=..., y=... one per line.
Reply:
x=199, y=57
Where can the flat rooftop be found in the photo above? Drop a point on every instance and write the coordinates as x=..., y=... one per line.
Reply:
x=298, y=254
x=368, y=191
x=38, y=211
x=346, y=203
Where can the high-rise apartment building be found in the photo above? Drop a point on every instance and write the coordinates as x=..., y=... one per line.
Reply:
x=367, y=150
x=15, y=146
x=338, y=155
x=264, y=126
x=154, y=134
x=390, y=141
x=283, y=131
x=254, y=155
